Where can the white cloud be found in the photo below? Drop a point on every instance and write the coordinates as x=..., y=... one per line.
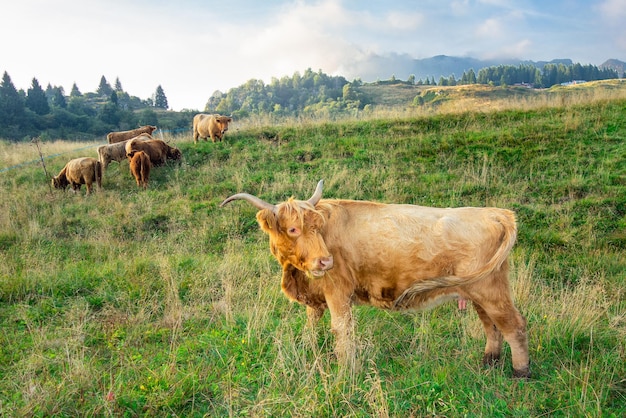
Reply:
x=192, y=47
x=614, y=10
x=490, y=28
x=404, y=21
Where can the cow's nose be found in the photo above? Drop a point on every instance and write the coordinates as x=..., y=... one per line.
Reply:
x=325, y=263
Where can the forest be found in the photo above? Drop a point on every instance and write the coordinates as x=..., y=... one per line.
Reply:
x=51, y=114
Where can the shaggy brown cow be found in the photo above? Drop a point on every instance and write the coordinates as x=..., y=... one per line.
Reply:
x=120, y=136
x=116, y=151
x=85, y=170
x=140, y=168
x=213, y=126
x=158, y=151
x=338, y=252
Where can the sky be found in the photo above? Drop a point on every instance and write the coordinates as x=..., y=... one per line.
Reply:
x=192, y=48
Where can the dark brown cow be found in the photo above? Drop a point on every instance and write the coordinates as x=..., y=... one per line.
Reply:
x=158, y=151
x=213, y=126
x=140, y=168
x=335, y=253
x=85, y=170
x=120, y=136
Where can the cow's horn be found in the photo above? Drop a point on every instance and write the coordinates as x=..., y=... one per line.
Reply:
x=256, y=202
x=317, y=195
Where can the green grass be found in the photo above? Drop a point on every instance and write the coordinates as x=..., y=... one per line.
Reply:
x=160, y=303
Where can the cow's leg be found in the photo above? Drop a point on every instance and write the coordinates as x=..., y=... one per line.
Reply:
x=493, y=348
x=313, y=316
x=342, y=326
x=513, y=328
x=494, y=296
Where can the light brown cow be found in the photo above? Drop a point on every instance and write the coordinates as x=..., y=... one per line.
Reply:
x=85, y=170
x=213, y=126
x=120, y=136
x=116, y=151
x=158, y=151
x=338, y=252
x=140, y=168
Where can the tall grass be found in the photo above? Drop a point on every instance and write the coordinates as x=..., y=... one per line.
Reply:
x=158, y=302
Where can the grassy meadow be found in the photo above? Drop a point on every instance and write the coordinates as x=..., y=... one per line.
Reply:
x=159, y=303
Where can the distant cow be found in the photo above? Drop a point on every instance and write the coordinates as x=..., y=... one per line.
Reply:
x=335, y=253
x=140, y=168
x=85, y=170
x=158, y=151
x=213, y=126
x=120, y=136
x=116, y=151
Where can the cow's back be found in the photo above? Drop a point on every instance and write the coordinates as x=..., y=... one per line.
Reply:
x=83, y=170
x=426, y=242
x=202, y=124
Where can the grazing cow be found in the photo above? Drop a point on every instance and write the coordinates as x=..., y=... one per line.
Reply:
x=338, y=252
x=140, y=168
x=85, y=170
x=158, y=151
x=213, y=126
x=116, y=151
x=120, y=136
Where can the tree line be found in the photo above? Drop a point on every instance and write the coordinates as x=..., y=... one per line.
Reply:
x=318, y=93
x=50, y=113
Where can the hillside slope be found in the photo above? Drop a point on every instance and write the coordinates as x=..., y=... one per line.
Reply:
x=159, y=302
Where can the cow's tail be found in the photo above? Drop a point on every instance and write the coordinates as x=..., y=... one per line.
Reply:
x=508, y=237
x=98, y=173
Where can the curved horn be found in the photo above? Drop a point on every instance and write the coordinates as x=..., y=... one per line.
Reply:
x=255, y=201
x=317, y=195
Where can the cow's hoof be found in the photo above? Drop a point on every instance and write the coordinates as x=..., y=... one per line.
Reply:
x=522, y=373
x=491, y=359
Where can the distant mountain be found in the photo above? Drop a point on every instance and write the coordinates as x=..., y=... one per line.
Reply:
x=375, y=67
x=617, y=65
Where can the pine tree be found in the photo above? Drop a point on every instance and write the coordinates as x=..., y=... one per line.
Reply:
x=160, y=100
x=104, y=89
x=75, y=92
x=118, y=85
x=59, y=98
x=36, y=100
x=11, y=103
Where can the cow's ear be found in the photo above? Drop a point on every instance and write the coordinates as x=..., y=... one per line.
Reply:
x=267, y=220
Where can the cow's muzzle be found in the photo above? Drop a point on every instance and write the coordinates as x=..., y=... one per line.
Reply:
x=321, y=266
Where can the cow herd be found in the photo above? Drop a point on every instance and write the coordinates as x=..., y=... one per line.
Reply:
x=139, y=148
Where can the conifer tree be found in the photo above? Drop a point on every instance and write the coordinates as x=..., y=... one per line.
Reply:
x=36, y=99
x=11, y=103
x=104, y=89
x=75, y=92
x=160, y=100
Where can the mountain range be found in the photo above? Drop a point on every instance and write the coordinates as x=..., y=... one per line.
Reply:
x=376, y=67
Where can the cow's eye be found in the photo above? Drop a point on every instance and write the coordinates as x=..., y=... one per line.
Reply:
x=293, y=231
